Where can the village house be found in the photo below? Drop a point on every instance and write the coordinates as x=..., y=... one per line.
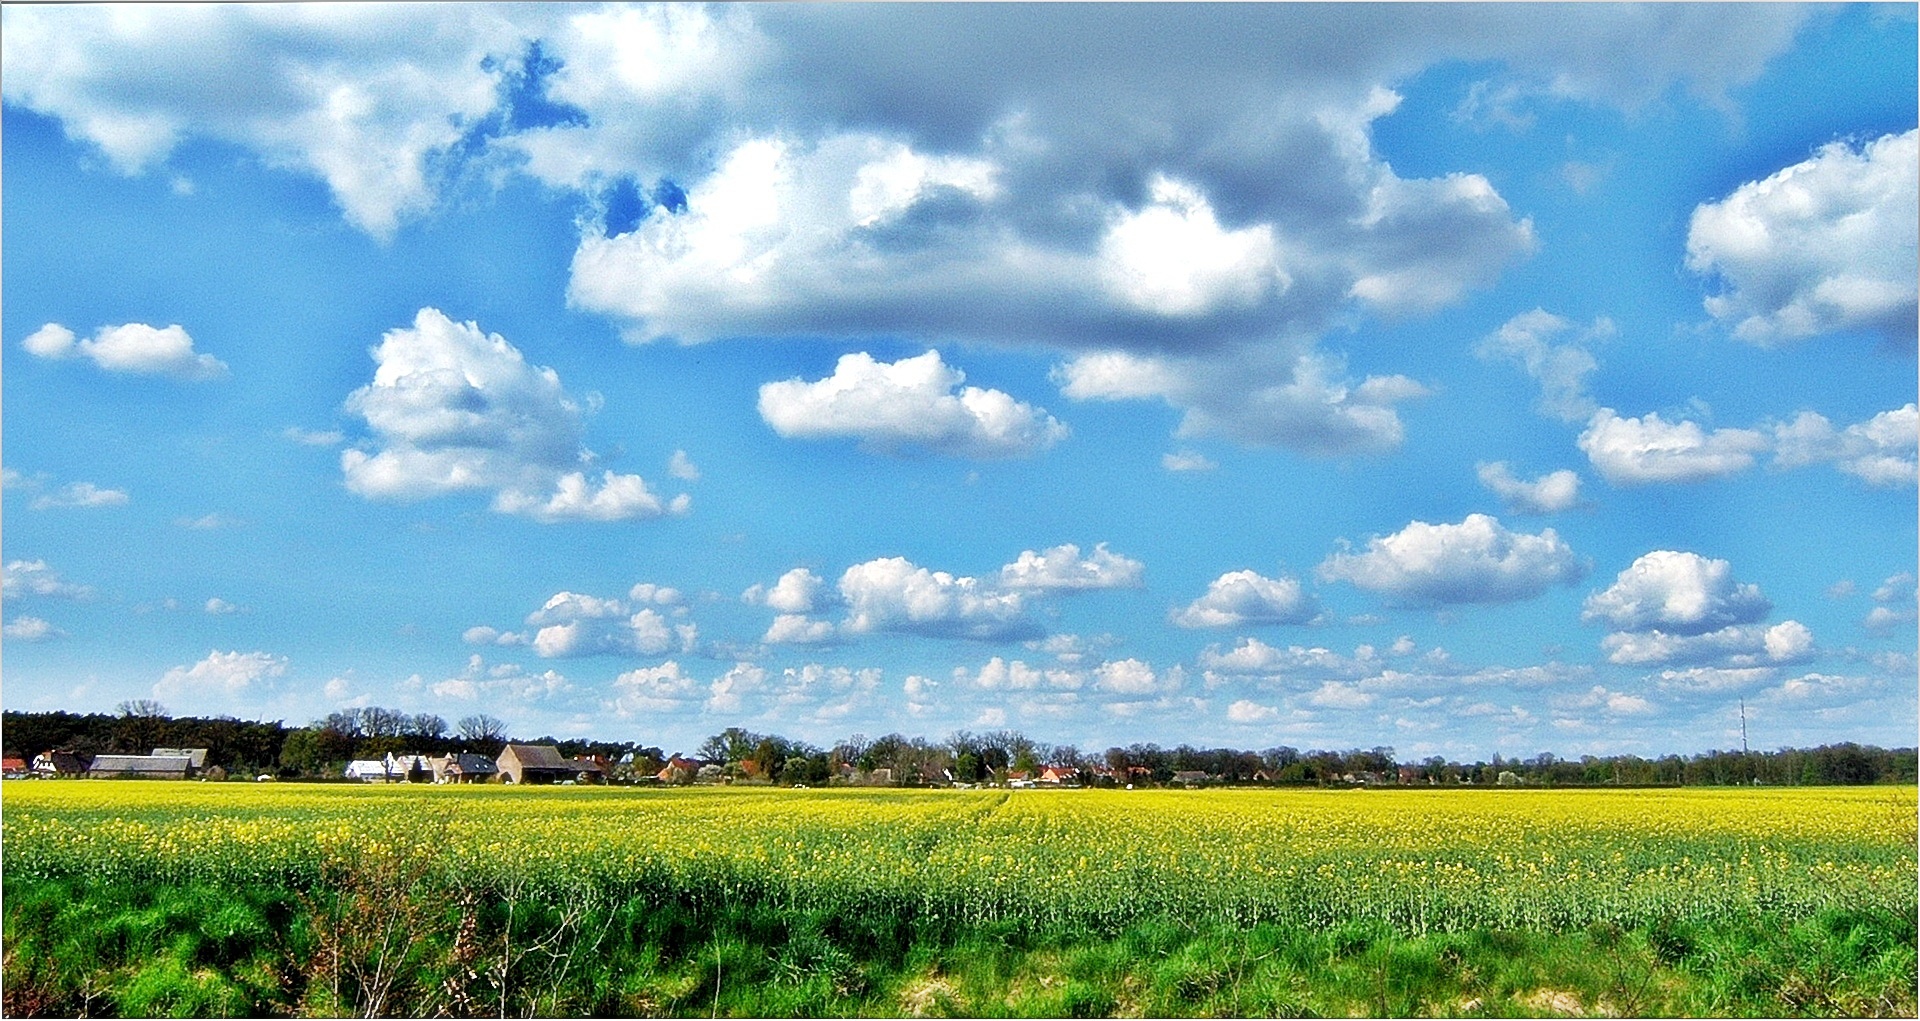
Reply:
x=140, y=767
x=196, y=757
x=1060, y=776
x=678, y=770
x=590, y=768
x=408, y=768
x=462, y=767
x=59, y=763
x=12, y=768
x=1191, y=777
x=533, y=763
x=368, y=771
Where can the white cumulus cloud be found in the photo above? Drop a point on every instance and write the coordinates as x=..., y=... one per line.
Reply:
x=30, y=629
x=223, y=672
x=1561, y=368
x=452, y=409
x=1248, y=597
x=35, y=578
x=1822, y=246
x=80, y=494
x=1880, y=451
x=1637, y=451
x=894, y=594
x=1062, y=569
x=1677, y=592
x=132, y=348
x=1475, y=561
x=909, y=403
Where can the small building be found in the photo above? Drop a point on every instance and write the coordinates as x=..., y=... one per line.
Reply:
x=590, y=768
x=59, y=763
x=368, y=771
x=1191, y=777
x=533, y=763
x=1060, y=776
x=408, y=768
x=196, y=756
x=12, y=768
x=679, y=769
x=140, y=767
x=463, y=767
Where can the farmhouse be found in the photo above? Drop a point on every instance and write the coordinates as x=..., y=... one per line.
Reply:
x=408, y=768
x=59, y=763
x=462, y=767
x=13, y=768
x=197, y=757
x=679, y=769
x=1060, y=775
x=140, y=767
x=368, y=771
x=534, y=763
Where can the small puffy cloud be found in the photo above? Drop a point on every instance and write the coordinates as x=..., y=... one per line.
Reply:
x=893, y=594
x=1822, y=246
x=1880, y=451
x=220, y=607
x=1247, y=597
x=1132, y=677
x=1898, y=592
x=35, y=578
x=728, y=692
x=1549, y=494
x=799, y=629
x=798, y=591
x=1475, y=561
x=30, y=629
x=647, y=593
x=1561, y=369
x=908, y=403
x=1898, y=588
x=1247, y=711
x=221, y=672
x=565, y=606
x=500, y=681
x=680, y=466
x=132, y=348
x=1015, y=675
x=663, y=688
x=1677, y=592
x=1637, y=451
x=80, y=494
x=1063, y=569
x=1187, y=461
x=1253, y=657
x=1717, y=681
x=451, y=409
x=576, y=624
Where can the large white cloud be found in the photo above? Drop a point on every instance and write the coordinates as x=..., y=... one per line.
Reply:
x=574, y=624
x=452, y=409
x=1786, y=642
x=1677, y=592
x=132, y=348
x=364, y=97
x=1248, y=597
x=894, y=594
x=908, y=403
x=1062, y=569
x=1475, y=561
x=1822, y=246
x=1637, y=451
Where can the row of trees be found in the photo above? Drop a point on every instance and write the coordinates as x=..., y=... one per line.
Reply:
x=321, y=748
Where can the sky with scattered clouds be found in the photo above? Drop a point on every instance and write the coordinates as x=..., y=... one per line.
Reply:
x=1465, y=379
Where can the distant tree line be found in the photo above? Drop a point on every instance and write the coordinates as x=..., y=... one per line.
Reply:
x=323, y=747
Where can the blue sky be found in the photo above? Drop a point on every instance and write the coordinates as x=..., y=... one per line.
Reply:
x=1461, y=379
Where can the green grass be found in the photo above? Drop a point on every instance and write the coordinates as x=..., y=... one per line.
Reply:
x=74, y=948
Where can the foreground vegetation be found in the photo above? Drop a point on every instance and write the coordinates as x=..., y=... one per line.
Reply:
x=192, y=899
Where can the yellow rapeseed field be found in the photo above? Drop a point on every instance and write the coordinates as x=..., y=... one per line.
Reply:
x=1422, y=860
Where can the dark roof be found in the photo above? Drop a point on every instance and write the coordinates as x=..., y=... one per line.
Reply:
x=470, y=762
x=141, y=764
